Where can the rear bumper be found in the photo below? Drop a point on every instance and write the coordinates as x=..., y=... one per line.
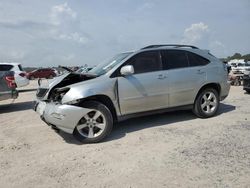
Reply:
x=225, y=88
x=60, y=116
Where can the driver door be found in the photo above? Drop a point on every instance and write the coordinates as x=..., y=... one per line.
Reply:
x=147, y=88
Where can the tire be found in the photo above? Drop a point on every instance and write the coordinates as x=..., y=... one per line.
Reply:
x=248, y=91
x=207, y=103
x=95, y=125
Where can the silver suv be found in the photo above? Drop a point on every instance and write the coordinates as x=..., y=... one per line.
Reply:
x=153, y=79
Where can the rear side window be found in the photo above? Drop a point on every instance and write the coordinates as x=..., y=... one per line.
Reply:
x=173, y=59
x=5, y=67
x=20, y=67
x=196, y=60
x=146, y=62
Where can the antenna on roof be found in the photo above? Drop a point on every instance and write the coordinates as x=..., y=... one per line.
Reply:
x=173, y=45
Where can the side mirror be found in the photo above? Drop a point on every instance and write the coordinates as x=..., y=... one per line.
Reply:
x=127, y=70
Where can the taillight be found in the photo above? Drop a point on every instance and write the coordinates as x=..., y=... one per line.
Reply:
x=22, y=74
x=10, y=81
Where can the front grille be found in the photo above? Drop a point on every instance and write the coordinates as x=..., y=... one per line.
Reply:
x=41, y=92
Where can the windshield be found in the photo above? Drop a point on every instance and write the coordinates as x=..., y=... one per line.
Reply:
x=105, y=67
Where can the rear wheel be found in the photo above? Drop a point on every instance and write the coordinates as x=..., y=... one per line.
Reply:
x=95, y=125
x=207, y=103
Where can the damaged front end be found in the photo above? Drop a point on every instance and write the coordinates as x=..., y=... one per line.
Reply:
x=54, y=90
x=53, y=111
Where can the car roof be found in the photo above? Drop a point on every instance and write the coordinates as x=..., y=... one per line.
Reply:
x=169, y=46
x=190, y=48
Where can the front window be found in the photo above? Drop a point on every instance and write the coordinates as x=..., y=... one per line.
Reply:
x=146, y=62
x=107, y=66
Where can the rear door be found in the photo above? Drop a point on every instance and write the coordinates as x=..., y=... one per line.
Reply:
x=39, y=73
x=45, y=73
x=147, y=88
x=184, y=79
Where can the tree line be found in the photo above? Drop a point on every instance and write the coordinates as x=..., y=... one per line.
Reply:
x=238, y=56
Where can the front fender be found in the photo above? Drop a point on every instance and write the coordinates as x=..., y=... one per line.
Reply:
x=82, y=90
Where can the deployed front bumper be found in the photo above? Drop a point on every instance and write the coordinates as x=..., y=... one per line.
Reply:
x=61, y=116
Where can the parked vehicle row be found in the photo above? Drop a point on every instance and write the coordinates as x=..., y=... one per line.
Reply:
x=241, y=68
x=151, y=80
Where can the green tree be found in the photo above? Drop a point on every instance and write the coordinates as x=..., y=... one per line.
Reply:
x=236, y=56
x=246, y=57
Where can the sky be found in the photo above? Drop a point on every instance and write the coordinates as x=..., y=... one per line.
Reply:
x=78, y=32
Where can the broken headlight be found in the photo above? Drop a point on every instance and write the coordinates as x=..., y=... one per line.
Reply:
x=58, y=93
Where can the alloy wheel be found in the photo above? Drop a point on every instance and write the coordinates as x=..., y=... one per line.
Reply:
x=92, y=124
x=209, y=102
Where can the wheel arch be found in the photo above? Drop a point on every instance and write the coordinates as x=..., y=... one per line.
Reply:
x=104, y=99
x=215, y=86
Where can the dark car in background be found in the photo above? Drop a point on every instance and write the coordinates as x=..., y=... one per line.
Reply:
x=246, y=83
x=42, y=73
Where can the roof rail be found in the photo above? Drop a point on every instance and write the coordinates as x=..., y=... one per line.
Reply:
x=174, y=45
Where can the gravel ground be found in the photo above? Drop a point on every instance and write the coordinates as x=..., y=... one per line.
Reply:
x=168, y=150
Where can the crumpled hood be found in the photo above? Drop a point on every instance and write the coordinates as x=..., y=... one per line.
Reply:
x=51, y=83
x=63, y=81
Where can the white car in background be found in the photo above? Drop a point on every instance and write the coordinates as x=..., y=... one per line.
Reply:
x=20, y=75
x=242, y=68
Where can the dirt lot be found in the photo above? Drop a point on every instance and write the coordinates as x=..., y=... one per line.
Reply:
x=168, y=150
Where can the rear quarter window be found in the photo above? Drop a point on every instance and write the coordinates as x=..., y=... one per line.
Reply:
x=5, y=67
x=196, y=60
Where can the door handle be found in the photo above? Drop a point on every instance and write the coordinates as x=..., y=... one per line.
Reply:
x=161, y=76
x=200, y=72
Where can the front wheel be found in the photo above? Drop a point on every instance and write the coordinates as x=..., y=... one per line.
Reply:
x=95, y=125
x=207, y=103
